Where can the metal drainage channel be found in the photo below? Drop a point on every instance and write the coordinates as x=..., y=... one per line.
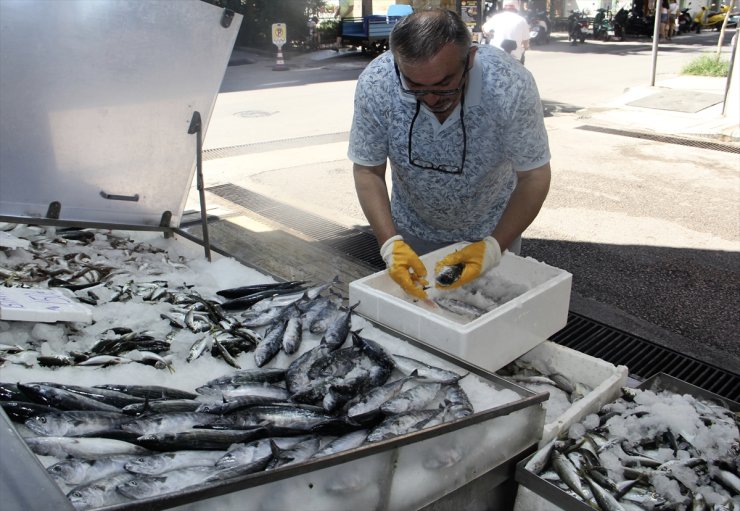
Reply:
x=262, y=147
x=354, y=243
x=643, y=357
x=727, y=147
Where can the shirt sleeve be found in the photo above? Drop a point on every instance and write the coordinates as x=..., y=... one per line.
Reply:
x=526, y=136
x=368, y=137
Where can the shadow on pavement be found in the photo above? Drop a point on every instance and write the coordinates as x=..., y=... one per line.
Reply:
x=692, y=294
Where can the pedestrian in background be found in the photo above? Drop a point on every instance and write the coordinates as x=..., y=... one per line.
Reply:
x=664, y=19
x=672, y=18
x=463, y=129
x=345, y=9
x=507, y=27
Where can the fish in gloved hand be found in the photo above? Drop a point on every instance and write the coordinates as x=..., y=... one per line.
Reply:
x=467, y=264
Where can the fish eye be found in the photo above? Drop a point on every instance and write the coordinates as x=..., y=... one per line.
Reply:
x=42, y=420
x=77, y=494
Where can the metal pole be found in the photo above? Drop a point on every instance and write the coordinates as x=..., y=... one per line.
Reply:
x=656, y=36
x=196, y=128
x=724, y=26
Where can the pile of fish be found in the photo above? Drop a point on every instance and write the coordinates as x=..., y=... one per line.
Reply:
x=563, y=391
x=472, y=300
x=104, y=269
x=648, y=451
x=120, y=442
x=296, y=390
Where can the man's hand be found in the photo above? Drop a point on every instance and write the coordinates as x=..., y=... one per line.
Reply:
x=477, y=258
x=404, y=266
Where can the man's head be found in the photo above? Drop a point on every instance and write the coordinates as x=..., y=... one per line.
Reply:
x=418, y=37
x=432, y=51
x=510, y=5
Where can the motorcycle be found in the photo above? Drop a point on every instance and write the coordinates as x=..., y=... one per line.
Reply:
x=684, y=21
x=539, y=27
x=577, y=22
x=603, y=25
x=711, y=20
x=632, y=23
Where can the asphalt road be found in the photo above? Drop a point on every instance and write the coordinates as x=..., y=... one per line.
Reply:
x=650, y=230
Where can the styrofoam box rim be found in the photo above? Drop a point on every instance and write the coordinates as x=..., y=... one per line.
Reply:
x=605, y=378
x=559, y=276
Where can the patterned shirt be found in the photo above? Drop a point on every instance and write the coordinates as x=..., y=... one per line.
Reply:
x=505, y=132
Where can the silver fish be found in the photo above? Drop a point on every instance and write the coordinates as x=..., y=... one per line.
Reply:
x=343, y=443
x=89, y=448
x=425, y=372
x=293, y=332
x=568, y=474
x=448, y=275
x=367, y=406
x=301, y=451
x=400, y=424
x=72, y=423
x=99, y=493
x=78, y=471
x=270, y=345
x=164, y=462
x=338, y=330
x=201, y=345
x=415, y=398
x=144, y=486
x=460, y=307
x=167, y=423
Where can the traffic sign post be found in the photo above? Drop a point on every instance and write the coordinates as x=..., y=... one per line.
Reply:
x=279, y=37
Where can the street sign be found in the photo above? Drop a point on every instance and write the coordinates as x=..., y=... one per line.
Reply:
x=279, y=34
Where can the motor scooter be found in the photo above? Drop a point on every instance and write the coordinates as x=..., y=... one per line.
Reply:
x=539, y=27
x=711, y=20
x=603, y=25
x=684, y=21
x=577, y=22
x=632, y=23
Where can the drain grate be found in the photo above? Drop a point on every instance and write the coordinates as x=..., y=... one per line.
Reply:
x=727, y=147
x=644, y=358
x=357, y=244
x=262, y=147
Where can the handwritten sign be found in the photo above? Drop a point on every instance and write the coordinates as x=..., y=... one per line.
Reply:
x=40, y=304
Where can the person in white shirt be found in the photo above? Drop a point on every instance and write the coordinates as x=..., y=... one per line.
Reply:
x=506, y=26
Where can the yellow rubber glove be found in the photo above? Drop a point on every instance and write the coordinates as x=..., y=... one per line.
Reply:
x=477, y=258
x=404, y=266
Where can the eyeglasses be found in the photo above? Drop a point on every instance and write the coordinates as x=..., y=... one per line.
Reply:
x=417, y=93
x=423, y=164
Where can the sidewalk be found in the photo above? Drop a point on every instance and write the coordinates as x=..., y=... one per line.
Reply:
x=685, y=105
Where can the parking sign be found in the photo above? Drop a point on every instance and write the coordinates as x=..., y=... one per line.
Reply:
x=279, y=34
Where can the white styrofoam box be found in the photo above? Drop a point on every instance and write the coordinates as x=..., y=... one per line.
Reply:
x=40, y=304
x=603, y=378
x=489, y=341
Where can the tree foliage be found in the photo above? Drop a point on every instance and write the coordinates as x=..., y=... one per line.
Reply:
x=259, y=15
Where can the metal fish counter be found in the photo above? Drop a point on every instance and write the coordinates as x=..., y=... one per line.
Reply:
x=665, y=445
x=202, y=383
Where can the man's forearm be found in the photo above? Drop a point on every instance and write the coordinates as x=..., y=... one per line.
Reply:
x=372, y=193
x=524, y=205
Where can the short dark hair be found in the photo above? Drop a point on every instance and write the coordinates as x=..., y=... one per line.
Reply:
x=420, y=36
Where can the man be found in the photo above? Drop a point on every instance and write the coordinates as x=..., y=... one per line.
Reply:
x=463, y=129
x=506, y=27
